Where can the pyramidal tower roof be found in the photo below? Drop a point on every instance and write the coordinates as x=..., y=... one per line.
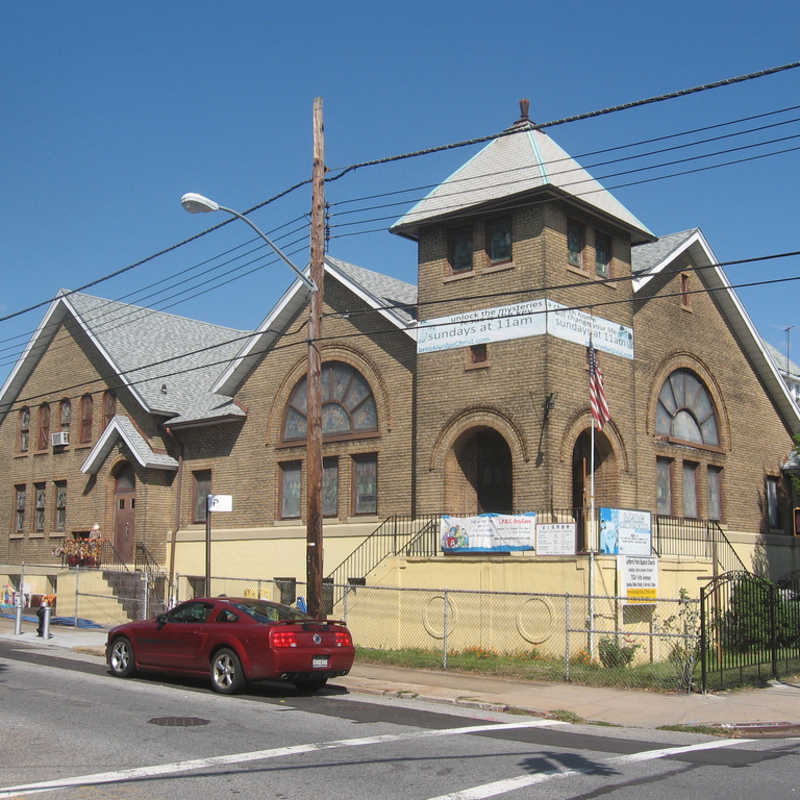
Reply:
x=521, y=160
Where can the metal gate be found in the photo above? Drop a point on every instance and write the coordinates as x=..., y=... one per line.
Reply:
x=749, y=630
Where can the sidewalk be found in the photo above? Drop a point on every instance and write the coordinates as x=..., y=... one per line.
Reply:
x=777, y=705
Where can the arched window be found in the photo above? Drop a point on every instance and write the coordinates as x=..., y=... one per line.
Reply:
x=86, y=418
x=348, y=405
x=24, y=429
x=685, y=410
x=109, y=407
x=44, y=426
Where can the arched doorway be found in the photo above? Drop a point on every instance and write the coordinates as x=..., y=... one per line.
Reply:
x=478, y=474
x=124, y=511
x=606, y=478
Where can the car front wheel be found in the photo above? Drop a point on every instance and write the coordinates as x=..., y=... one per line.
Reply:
x=227, y=675
x=120, y=658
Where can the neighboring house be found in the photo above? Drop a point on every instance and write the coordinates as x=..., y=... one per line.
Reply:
x=789, y=371
x=467, y=393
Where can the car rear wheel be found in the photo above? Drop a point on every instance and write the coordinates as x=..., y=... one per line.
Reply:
x=120, y=658
x=227, y=675
x=310, y=684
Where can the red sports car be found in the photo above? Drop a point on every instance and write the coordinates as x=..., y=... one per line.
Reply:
x=234, y=640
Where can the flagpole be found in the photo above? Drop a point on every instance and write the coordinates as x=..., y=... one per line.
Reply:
x=591, y=547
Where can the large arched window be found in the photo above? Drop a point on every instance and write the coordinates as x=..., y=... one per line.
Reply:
x=348, y=405
x=685, y=411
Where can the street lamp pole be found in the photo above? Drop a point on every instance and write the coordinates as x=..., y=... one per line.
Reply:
x=197, y=203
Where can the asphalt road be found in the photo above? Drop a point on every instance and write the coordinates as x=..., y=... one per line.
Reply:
x=72, y=730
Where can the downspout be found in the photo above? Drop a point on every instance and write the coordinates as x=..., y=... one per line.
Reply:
x=177, y=524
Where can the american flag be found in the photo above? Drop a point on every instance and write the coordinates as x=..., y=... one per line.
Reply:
x=597, y=396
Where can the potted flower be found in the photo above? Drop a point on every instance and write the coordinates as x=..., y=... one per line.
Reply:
x=80, y=551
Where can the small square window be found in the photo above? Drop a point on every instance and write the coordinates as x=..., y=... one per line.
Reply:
x=602, y=254
x=460, y=249
x=498, y=240
x=576, y=239
x=478, y=355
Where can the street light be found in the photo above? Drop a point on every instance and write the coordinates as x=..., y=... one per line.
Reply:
x=197, y=204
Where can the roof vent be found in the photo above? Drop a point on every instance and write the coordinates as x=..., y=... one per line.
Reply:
x=163, y=388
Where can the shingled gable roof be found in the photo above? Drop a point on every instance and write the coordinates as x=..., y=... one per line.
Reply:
x=521, y=161
x=391, y=298
x=121, y=428
x=670, y=252
x=129, y=338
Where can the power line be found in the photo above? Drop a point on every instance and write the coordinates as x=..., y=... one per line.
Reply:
x=575, y=118
x=508, y=207
x=604, y=150
x=576, y=182
x=8, y=407
x=152, y=256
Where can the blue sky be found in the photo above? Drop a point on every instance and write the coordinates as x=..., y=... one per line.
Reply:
x=111, y=112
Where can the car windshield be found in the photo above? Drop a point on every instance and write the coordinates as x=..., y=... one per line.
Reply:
x=269, y=612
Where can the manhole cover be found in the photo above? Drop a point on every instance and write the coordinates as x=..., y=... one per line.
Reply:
x=178, y=722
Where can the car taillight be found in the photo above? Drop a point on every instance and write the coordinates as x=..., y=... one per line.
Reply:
x=343, y=639
x=283, y=639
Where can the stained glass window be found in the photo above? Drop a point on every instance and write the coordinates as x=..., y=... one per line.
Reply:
x=330, y=487
x=19, y=517
x=602, y=253
x=40, y=506
x=689, y=489
x=714, y=493
x=365, y=484
x=576, y=238
x=685, y=410
x=60, y=517
x=460, y=246
x=24, y=429
x=348, y=404
x=66, y=413
x=664, y=499
x=498, y=240
x=291, y=490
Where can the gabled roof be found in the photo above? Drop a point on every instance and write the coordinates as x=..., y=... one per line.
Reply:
x=673, y=251
x=379, y=292
x=143, y=351
x=122, y=428
x=515, y=164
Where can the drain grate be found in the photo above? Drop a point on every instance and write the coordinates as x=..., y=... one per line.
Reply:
x=178, y=722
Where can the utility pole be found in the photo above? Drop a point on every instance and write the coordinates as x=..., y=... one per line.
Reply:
x=314, y=376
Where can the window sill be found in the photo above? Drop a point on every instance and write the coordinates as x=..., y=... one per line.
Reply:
x=482, y=365
x=501, y=267
x=22, y=455
x=458, y=276
x=16, y=537
x=584, y=273
x=37, y=535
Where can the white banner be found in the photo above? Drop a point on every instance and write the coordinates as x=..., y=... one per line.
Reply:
x=521, y=320
x=487, y=533
x=555, y=539
x=479, y=327
x=625, y=531
x=638, y=579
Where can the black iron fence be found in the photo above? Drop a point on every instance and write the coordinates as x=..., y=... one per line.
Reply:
x=749, y=630
x=698, y=538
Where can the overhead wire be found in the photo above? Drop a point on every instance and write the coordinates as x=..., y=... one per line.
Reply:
x=587, y=307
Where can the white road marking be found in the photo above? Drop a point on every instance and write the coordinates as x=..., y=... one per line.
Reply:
x=523, y=781
x=135, y=773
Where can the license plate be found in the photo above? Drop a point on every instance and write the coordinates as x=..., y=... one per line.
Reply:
x=319, y=662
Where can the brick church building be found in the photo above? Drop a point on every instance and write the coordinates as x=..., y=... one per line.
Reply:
x=463, y=394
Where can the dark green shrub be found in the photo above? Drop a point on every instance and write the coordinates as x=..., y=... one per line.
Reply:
x=613, y=655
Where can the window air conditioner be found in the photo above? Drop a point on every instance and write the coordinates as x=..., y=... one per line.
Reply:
x=59, y=439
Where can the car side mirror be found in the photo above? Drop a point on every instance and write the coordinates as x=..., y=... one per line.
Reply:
x=161, y=619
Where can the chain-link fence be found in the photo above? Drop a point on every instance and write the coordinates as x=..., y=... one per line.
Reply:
x=599, y=640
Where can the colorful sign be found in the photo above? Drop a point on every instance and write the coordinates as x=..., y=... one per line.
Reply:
x=521, y=320
x=486, y=533
x=555, y=539
x=625, y=531
x=638, y=579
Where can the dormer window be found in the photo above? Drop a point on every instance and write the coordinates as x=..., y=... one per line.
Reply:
x=498, y=240
x=460, y=249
